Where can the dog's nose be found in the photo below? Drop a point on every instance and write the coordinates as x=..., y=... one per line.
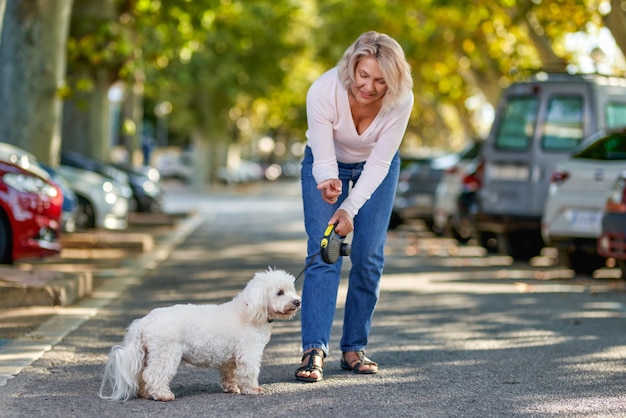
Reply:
x=297, y=303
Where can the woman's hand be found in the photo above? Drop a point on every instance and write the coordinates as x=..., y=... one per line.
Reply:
x=342, y=221
x=331, y=190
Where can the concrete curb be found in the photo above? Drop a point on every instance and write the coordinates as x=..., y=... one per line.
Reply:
x=42, y=288
x=64, y=280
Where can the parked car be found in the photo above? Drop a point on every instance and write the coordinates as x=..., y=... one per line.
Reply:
x=245, y=172
x=70, y=200
x=30, y=214
x=22, y=158
x=415, y=195
x=612, y=239
x=28, y=161
x=145, y=183
x=78, y=160
x=467, y=203
x=101, y=202
x=174, y=163
x=447, y=219
x=537, y=124
x=571, y=220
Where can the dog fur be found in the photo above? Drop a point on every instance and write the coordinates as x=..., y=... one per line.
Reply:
x=230, y=337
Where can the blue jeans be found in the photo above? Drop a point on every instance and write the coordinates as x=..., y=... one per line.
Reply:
x=321, y=280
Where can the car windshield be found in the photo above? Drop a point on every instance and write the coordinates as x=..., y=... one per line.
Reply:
x=471, y=152
x=611, y=147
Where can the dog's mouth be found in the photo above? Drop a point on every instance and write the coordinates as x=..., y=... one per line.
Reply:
x=288, y=312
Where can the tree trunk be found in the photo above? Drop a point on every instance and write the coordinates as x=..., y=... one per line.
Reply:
x=132, y=116
x=3, y=4
x=87, y=114
x=32, y=69
x=549, y=60
x=616, y=22
x=86, y=122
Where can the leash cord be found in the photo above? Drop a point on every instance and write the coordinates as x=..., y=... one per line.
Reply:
x=307, y=265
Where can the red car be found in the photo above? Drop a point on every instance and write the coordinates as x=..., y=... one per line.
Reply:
x=30, y=214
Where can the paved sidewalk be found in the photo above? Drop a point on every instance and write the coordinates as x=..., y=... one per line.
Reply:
x=62, y=280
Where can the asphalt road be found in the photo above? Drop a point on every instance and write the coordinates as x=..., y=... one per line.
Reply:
x=456, y=333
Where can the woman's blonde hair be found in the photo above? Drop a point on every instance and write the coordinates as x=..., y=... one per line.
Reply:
x=391, y=60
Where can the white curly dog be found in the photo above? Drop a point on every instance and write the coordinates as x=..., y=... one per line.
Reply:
x=230, y=337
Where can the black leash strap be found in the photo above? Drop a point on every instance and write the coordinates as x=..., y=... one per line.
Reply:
x=307, y=265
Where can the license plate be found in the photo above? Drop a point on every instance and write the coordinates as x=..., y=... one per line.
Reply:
x=514, y=172
x=585, y=221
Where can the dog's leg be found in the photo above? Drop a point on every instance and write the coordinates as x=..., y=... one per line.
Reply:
x=227, y=374
x=247, y=373
x=161, y=366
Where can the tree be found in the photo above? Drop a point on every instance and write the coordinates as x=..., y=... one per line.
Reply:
x=101, y=52
x=237, y=70
x=458, y=51
x=32, y=73
x=615, y=21
x=3, y=4
x=236, y=56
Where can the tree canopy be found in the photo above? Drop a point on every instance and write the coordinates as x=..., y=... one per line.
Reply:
x=233, y=71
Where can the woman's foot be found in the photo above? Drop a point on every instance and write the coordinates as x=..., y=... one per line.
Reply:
x=356, y=362
x=310, y=369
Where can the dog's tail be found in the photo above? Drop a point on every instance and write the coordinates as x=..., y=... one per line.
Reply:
x=121, y=371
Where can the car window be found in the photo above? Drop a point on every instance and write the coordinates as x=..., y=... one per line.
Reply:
x=615, y=114
x=471, y=152
x=611, y=147
x=563, y=126
x=516, y=129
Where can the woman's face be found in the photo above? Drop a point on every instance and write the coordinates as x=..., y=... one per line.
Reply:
x=369, y=84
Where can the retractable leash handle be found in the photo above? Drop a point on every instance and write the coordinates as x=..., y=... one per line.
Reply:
x=332, y=246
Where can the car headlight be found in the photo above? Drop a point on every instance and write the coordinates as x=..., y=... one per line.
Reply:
x=153, y=174
x=30, y=184
x=110, y=192
x=107, y=186
x=150, y=188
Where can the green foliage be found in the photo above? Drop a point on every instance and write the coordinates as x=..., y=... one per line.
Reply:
x=238, y=69
x=219, y=63
x=96, y=42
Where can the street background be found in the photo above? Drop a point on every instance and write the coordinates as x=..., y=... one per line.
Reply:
x=456, y=332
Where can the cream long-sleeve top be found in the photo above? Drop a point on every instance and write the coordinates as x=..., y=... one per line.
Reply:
x=332, y=137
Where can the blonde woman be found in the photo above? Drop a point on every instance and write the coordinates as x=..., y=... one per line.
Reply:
x=357, y=114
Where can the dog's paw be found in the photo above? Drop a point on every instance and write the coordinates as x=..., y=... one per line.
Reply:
x=230, y=387
x=252, y=391
x=163, y=395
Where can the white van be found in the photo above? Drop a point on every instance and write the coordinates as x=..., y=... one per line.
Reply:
x=537, y=124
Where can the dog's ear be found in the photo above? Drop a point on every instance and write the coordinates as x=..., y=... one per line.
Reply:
x=256, y=300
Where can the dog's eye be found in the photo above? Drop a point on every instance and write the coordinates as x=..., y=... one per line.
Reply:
x=280, y=293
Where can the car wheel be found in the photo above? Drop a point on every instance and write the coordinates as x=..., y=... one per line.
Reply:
x=579, y=261
x=521, y=245
x=5, y=240
x=85, y=216
x=487, y=240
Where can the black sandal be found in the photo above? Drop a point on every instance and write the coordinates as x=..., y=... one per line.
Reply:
x=356, y=364
x=310, y=366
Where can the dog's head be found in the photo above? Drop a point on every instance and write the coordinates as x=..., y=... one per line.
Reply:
x=271, y=295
